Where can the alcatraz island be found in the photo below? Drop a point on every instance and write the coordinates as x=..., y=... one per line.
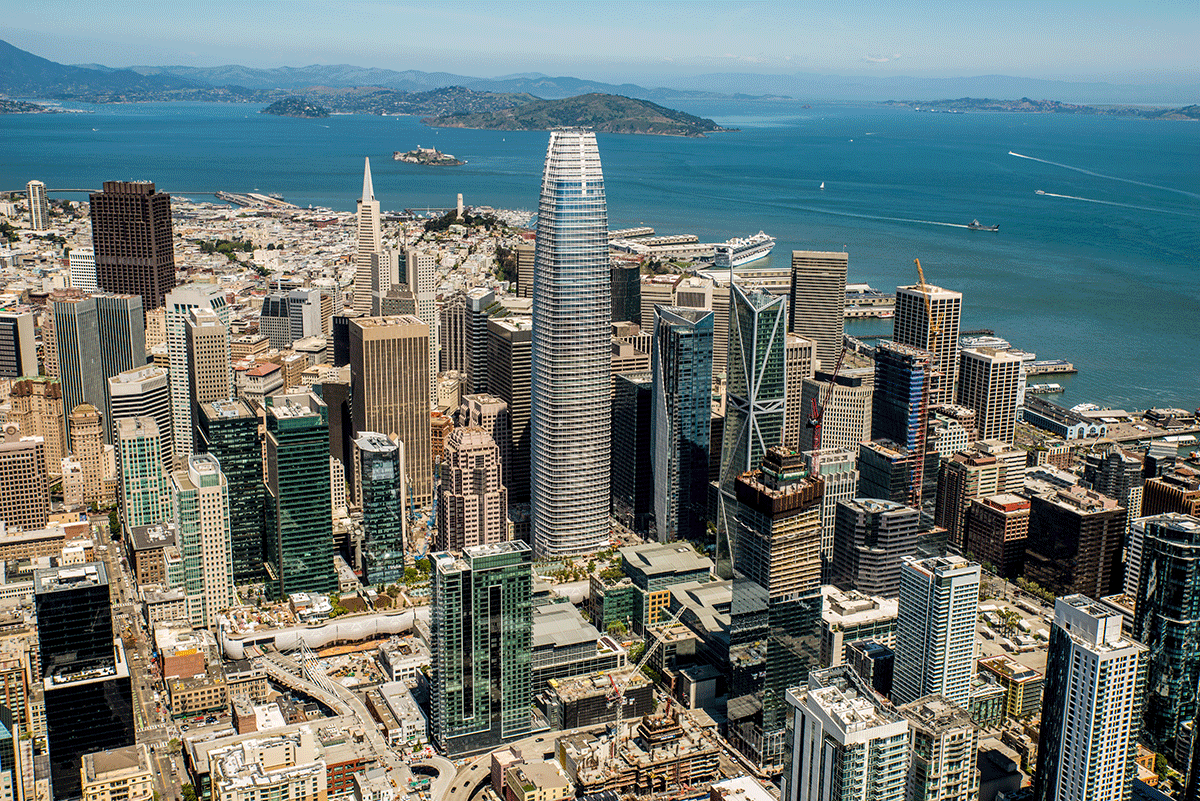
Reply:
x=429, y=156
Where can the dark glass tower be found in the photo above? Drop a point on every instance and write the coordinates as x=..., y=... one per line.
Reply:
x=299, y=527
x=900, y=407
x=626, y=293
x=379, y=492
x=133, y=241
x=229, y=431
x=632, y=481
x=681, y=363
x=88, y=695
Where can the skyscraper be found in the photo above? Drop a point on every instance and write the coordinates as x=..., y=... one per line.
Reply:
x=870, y=539
x=817, y=301
x=798, y=365
x=24, y=482
x=81, y=262
x=87, y=428
x=201, y=501
x=1091, y=706
x=626, y=293
x=510, y=350
x=755, y=398
x=145, y=488
x=482, y=629
x=838, y=469
x=421, y=267
x=144, y=392
x=37, y=409
x=942, y=744
x=389, y=371
x=681, y=364
x=990, y=382
x=570, y=373
x=39, y=206
x=1117, y=474
x=491, y=414
x=229, y=431
x=77, y=343
x=369, y=244
x=846, y=419
x=935, y=629
x=927, y=317
x=122, y=323
x=1076, y=540
x=299, y=530
x=207, y=357
x=900, y=410
x=178, y=304
x=18, y=350
x=473, y=504
x=133, y=241
x=379, y=489
x=632, y=478
x=997, y=529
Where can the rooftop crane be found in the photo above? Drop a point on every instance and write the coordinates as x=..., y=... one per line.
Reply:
x=934, y=327
x=817, y=412
x=617, y=696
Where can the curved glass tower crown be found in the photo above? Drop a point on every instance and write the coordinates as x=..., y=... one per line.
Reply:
x=571, y=362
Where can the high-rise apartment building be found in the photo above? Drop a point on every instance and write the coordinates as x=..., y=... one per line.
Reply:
x=39, y=206
x=37, y=409
x=389, y=372
x=942, y=744
x=144, y=392
x=18, y=350
x=299, y=530
x=846, y=420
x=817, y=301
x=179, y=304
x=927, y=317
x=228, y=429
x=871, y=538
x=81, y=264
x=935, y=629
x=1167, y=621
x=1075, y=544
x=473, y=502
x=379, y=490
x=570, y=368
x=421, y=267
x=756, y=398
x=838, y=469
x=201, y=502
x=798, y=365
x=133, y=241
x=997, y=529
x=632, y=477
x=510, y=353
x=369, y=243
x=900, y=408
x=990, y=382
x=1091, y=706
x=681, y=365
x=482, y=630
x=24, y=481
x=145, y=487
x=83, y=670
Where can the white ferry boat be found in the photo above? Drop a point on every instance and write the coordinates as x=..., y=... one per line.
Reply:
x=737, y=252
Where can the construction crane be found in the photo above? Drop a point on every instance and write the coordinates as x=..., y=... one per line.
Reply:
x=934, y=327
x=817, y=412
x=617, y=696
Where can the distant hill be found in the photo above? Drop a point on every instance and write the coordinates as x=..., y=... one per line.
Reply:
x=1026, y=105
x=436, y=102
x=601, y=112
x=23, y=74
x=293, y=106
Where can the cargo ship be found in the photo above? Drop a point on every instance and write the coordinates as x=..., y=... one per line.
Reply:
x=737, y=252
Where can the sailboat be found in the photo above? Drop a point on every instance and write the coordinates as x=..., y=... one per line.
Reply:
x=822, y=184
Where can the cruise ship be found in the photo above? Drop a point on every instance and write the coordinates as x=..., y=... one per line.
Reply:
x=737, y=252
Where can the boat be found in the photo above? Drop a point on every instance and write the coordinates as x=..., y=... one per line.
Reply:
x=822, y=184
x=978, y=226
x=1040, y=192
x=737, y=252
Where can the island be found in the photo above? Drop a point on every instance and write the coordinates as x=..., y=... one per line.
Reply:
x=600, y=112
x=428, y=156
x=1026, y=105
x=293, y=106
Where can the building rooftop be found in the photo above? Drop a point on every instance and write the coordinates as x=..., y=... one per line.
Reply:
x=101, y=765
x=226, y=409
x=146, y=538
x=560, y=626
x=65, y=579
x=936, y=713
x=1002, y=665
x=851, y=607
x=374, y=442
x=656, y=559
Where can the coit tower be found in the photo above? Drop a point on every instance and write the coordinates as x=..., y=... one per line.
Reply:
x=570, y=371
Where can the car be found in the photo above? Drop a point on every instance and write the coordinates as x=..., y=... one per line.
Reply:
x=184, y=727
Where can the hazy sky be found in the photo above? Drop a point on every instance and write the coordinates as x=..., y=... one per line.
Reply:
x=1073, y=39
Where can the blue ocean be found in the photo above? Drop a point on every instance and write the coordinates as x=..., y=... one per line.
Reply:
x=1100, y=269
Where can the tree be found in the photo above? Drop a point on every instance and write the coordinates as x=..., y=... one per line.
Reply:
x=189, y=792
x=174, y=746
x=114, y=523
x=617, y=629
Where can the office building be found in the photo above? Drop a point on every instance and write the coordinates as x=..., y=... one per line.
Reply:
x=570, y=369
x=18, y=350
x=681, y=365
x=1167, y=621
x=1023, y=685
x=473, y=504
x=632, y=479
x=479, y=301
x=526, y=257
x=626, y=293
x=81, y=264
x=207, y=358
x=846, y=744
x=900, y=408
x=935, y=629
x=145, y=488
x=873, y=663
x=77, y=347
x=37, y=409
x=24, y=481
x=452, y=330
x=133, y=241
x=389, y=373
x=274, y=320
x=1075, y=543
x=798, y=365
x=942, y=744
x=817, y=301
x=846, y=420
x=885, y=471
x=39, y=206
x=491, y=414
x=120, y=774
x=201, y=501
x=379, y=490
x=838, y=468
x=421, y=266
x=1113, y=472
x=997, y=529
x=481, y=627
x=755, y=398
x=369, y=243
x=83, y=671
x=1091, y=706
x=87, y=445
x=228, y=430
x=990, y=382
x=122, y=324
x=144, y=392
x=984, y=470
x=927, y=317
x=849, y=616
x=871, y=538
x=179, y=303
x=299, y=531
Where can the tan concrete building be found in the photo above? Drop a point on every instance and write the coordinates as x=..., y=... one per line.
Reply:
x=817, y=300
x=122, y=774
x=208, y=356
x=927, y=317
x=87, y=445
x=37, y=407
x=24, y=484
x=280, y=766
x=798, y=357
x=473, y=506
x=990, y=381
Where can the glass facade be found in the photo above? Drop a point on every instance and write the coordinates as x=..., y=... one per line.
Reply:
x=229, y=431
x=633, y=485
x=900, y=409
x=681, y=362
x=381, y=489
x=570, y=376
